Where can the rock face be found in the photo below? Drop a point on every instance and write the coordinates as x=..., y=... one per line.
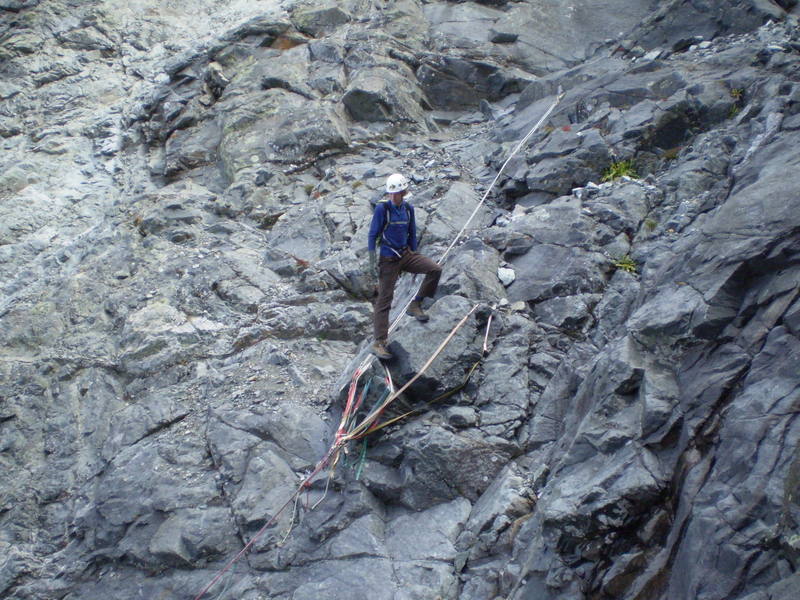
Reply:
x=185, y=195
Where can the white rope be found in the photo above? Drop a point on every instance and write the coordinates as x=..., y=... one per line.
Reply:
x=367, y=362
x=519, y=146
x=522, y=142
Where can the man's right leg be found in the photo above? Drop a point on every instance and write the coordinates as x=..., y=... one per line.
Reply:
x=388, y=272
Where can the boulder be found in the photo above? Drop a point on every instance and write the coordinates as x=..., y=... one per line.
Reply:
x=319, y=19
x=380, y=94
x=441, y=466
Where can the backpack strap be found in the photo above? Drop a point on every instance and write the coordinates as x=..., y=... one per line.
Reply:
x=386, y=206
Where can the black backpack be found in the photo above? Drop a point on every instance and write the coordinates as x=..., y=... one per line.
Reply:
x=386, y=204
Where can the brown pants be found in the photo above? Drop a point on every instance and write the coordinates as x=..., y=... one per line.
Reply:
x=389, y=269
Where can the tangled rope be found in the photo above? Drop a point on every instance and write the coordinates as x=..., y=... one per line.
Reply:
x=348, y=430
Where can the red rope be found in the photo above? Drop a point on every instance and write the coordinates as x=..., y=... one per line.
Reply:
x=342, y=437
x=320, y=465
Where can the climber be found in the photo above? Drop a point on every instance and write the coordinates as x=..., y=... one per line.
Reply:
x=394, y=229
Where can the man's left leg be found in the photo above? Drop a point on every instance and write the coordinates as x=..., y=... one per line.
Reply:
x=417, y=263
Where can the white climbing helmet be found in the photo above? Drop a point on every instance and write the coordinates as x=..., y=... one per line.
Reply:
x=396, y=183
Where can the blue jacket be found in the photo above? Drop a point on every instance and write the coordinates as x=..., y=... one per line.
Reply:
x=400, y=232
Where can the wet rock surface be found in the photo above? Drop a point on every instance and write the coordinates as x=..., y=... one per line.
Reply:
x=185, y=195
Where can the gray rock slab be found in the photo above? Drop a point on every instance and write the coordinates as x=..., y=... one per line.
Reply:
x=549, y=270
x=412, y=347
x=561, y=222
x=765, y=388
x=427, y=535
x=447, y=465
x=569, y=313
x=449, y=214
x=318, y=20
x=189, y=534
x=364, y=536
x=294, y=126
x=359, y=578
x=508, y=496
x=296, y=429
x=268, y=481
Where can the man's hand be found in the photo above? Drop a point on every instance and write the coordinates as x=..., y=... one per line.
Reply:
x=373, y=265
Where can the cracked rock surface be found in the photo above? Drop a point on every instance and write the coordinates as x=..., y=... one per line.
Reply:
x=185, y=195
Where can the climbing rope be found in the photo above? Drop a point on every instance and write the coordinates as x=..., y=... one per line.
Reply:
x=332, y=456
x=306, y=482
x=346, y=432
x=518, y=147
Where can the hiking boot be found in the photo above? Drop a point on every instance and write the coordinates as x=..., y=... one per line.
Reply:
x=415, y=310
x=378, y=348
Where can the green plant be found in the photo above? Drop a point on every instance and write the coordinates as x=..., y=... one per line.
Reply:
x=309, y=187
x=622, y=168
x=357, y=184
x=738, y=99
x=626, y=263
x=650, y=224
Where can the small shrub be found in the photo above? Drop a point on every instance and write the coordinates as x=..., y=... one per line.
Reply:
x=309, y=187
x=269, y=221
x=302, y=265
x=623, y=168
x=733, y=111
x=650, y=224
x=737, y=94
x=626, y=263
x=138, y=222
x=672, y=153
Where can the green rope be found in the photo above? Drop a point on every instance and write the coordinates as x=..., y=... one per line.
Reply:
x=383, y=397
x=428, y=403
x=363, y=459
